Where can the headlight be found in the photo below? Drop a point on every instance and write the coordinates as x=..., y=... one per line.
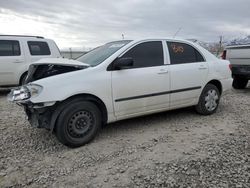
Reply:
x=24, y=92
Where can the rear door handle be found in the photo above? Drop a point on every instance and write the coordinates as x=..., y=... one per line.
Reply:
x=202, y=67
x=163, y=71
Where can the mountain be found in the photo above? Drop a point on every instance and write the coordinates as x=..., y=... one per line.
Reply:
x=239, y=41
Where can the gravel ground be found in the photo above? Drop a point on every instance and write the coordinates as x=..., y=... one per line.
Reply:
x=172, y=149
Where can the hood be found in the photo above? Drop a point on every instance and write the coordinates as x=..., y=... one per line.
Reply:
x=48, y=67
x=59, y=61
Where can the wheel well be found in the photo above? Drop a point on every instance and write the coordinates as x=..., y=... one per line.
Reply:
x=21, y=77
x=98, y=102
x=217, y=84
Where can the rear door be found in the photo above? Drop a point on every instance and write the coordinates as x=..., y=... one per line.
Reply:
x=188, y=72
x=145, y=86
x=38, y=50
x=11, y=58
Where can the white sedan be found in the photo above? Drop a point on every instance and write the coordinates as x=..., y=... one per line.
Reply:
x=121, y=80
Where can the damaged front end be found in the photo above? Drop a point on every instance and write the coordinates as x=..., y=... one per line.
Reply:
x=43, y=114
x=38, y=114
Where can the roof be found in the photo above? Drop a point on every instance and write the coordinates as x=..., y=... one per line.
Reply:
x=157, y=38
x=22, y=36
x=72, y=51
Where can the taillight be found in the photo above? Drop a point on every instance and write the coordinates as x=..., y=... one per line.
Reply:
x=224, y=54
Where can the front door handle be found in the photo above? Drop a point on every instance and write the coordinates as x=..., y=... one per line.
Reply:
x=18, y=61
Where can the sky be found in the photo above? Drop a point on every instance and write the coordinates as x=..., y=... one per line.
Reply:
x=88, y=23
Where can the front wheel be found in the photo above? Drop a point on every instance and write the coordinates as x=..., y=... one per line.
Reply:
x=78, y=123
x=209, y=100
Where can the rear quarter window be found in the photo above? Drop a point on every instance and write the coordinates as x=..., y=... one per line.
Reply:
x=38, y=48
x=183, y=53
x=9, y=48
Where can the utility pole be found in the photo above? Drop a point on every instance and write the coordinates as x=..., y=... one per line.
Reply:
x=220, y=45
x=70, y=52
x=123, y=37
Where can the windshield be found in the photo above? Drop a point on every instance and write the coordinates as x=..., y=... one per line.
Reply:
x=99, y=54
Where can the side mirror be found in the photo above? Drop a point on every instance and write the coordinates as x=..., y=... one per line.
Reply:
x=123, y=63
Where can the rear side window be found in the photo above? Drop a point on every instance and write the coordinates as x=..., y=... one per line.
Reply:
x=183, y=53
x=38, y=48
x=9, y=48
x=146, y=54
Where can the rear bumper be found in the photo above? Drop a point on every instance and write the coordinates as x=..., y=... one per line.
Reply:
x=241, y=71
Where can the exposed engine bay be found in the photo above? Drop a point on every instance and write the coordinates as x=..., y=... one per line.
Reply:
x=40, y=71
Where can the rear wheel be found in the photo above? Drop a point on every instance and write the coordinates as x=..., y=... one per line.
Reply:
x=209, y=100
x=78, y=123
x=239, y=83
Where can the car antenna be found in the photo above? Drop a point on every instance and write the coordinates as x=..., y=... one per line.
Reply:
x=177, y=32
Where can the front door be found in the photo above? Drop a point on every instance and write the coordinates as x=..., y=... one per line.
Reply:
x=145, y=86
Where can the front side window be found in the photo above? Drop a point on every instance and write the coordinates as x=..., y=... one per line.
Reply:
x=9, y=48
x=147, y=54
x=38, y=48
x=183, y=53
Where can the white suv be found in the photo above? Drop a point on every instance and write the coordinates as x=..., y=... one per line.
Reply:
x=120, y=80
x=17, y=52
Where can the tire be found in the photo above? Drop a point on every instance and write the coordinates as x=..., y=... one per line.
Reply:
x=209, y=100
x=239, y=83
x=78, y=123
x=23, y=78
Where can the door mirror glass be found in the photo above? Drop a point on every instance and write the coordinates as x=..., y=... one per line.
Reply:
x=123, y=63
